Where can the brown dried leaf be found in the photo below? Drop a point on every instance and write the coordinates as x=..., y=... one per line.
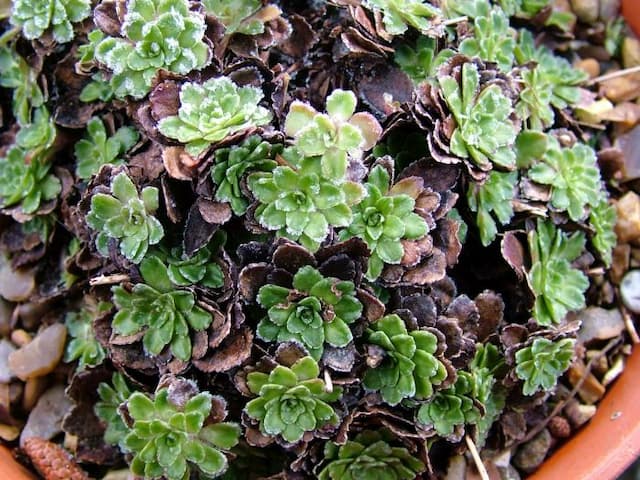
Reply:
x=233, y=351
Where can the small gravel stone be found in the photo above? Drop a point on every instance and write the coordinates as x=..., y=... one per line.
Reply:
x=599, y=324
x=6, y=348
x=628, y=223
x=20, y=337
x=591, y=390
x=45, y=420
x=578, y=414
x=41, y=355
x=15, y=285
x=630, y=291
x=531, y=455
x=33, y=388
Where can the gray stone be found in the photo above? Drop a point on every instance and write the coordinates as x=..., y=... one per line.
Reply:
x=6, y=348
x=630, y=290
x=599, y=324
x=45, y=420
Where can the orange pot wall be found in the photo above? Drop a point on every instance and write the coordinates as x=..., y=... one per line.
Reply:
x=631, y=11
x=600, y=451
x=10, y=469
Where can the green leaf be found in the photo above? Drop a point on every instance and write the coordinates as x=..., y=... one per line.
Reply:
x=341, y=105
x=337, y=333
x=214, y=461
x=379, y=177
x=558, y=287
x=541, y=363
x=485, y=130
x=390, y=251
x=305, y=278
x=271, y=295
x=306, y=369
x=494, y=196
x=603, y=220
x=222, y=435
x=573, y=176
x=140, y=407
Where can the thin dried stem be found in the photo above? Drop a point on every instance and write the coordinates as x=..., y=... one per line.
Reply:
x=612, y=75
x=328, y=381
x=109, y=279
x=631, y=328
x=595, y=272
x=476, y=458
x=453, y=21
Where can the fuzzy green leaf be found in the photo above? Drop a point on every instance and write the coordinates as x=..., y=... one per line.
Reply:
x=558, y=287
x=291, y=401
x=399, y=15
x=410, y=368
x=38, y=16
x=485, y=132
x=210, y=112
x=573, y=176
x=541, y=363
x=165, y=442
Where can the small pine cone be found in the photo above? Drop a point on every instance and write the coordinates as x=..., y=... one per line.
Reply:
x=52, y=461
x=559, y=427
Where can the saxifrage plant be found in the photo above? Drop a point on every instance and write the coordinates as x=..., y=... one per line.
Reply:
x=156, y=35
x=541, y=363
x=484, y=131
x=321, y=312
x=233, y=163
x=382, y=219
x=39, y=16
x=171, y=441
x=493, y=196
x=399, y=15
x=97, y=149
x=17, y=75
x=492, y=40
x=301, y=201
x=164, y=313
x=210, y=112
x=84, y=346
x=25, y=176
x=559, y=288
x=112, y=397
x=334, y=137
x=126, y=216
x=410, y=368
x=237, y=17
x=451, y=407
x=291, y=400
x=573, y=176
x=369, y=455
